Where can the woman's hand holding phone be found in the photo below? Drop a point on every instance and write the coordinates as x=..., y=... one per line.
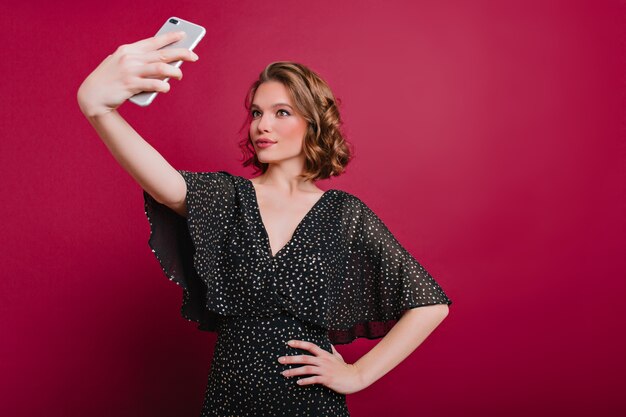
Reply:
x=131, y=69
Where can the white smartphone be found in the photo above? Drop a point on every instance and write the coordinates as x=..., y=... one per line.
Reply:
x=194, y=33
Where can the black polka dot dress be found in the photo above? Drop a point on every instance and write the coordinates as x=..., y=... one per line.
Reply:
x=341, y=276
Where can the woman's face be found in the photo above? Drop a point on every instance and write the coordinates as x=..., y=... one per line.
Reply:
x=274, y=118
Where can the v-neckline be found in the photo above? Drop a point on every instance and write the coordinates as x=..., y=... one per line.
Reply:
x=257, y=210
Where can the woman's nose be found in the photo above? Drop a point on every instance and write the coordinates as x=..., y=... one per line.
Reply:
x=264, y=123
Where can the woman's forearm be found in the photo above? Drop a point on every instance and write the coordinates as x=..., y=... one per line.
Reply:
x=144, y=163
x=402, y=339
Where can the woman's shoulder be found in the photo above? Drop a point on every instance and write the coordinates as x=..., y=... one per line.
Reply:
x=221, y=176
x=348, y=197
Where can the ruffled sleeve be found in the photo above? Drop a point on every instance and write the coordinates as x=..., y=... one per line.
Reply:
x=380, y=279
x=175, y=239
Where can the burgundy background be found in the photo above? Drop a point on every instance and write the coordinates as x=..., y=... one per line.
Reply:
x=490, y=137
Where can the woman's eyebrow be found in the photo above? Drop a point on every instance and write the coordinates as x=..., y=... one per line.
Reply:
x=273, y=105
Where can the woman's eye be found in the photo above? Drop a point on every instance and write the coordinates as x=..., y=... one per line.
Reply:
x=256, y=111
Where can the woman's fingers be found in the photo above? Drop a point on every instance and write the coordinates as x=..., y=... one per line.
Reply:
x=304, y=345
x=170, y=54
x=151, y=84
x=309, y=364
x=159, y=70
x=299, y=359
x=335, y=352
x=157, y=42
x=301, y=370
x=131, y=69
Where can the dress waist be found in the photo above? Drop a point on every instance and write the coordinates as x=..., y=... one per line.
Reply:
x=273, y=329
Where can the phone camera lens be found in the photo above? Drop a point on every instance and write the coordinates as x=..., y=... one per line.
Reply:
x=174, y=21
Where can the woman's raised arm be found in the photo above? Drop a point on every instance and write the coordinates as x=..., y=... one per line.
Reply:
x=144, y=163
x=120, y=76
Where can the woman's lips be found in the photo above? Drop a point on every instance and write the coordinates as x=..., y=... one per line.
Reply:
x=264, y=144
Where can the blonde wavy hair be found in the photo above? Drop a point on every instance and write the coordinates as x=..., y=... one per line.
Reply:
x=327, y=153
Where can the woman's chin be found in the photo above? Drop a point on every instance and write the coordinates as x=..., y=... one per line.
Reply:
x=265, y=160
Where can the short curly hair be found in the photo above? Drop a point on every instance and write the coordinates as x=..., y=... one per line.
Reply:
x=325, y=148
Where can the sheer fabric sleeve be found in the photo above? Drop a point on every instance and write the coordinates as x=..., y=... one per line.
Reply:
x=381, y=279
x=174, y=239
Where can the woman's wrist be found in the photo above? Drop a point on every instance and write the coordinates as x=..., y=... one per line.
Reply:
x=87, y=108
x=93, y=111
x=361, y=376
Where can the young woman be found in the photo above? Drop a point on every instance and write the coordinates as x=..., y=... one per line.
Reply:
x=280, y=269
